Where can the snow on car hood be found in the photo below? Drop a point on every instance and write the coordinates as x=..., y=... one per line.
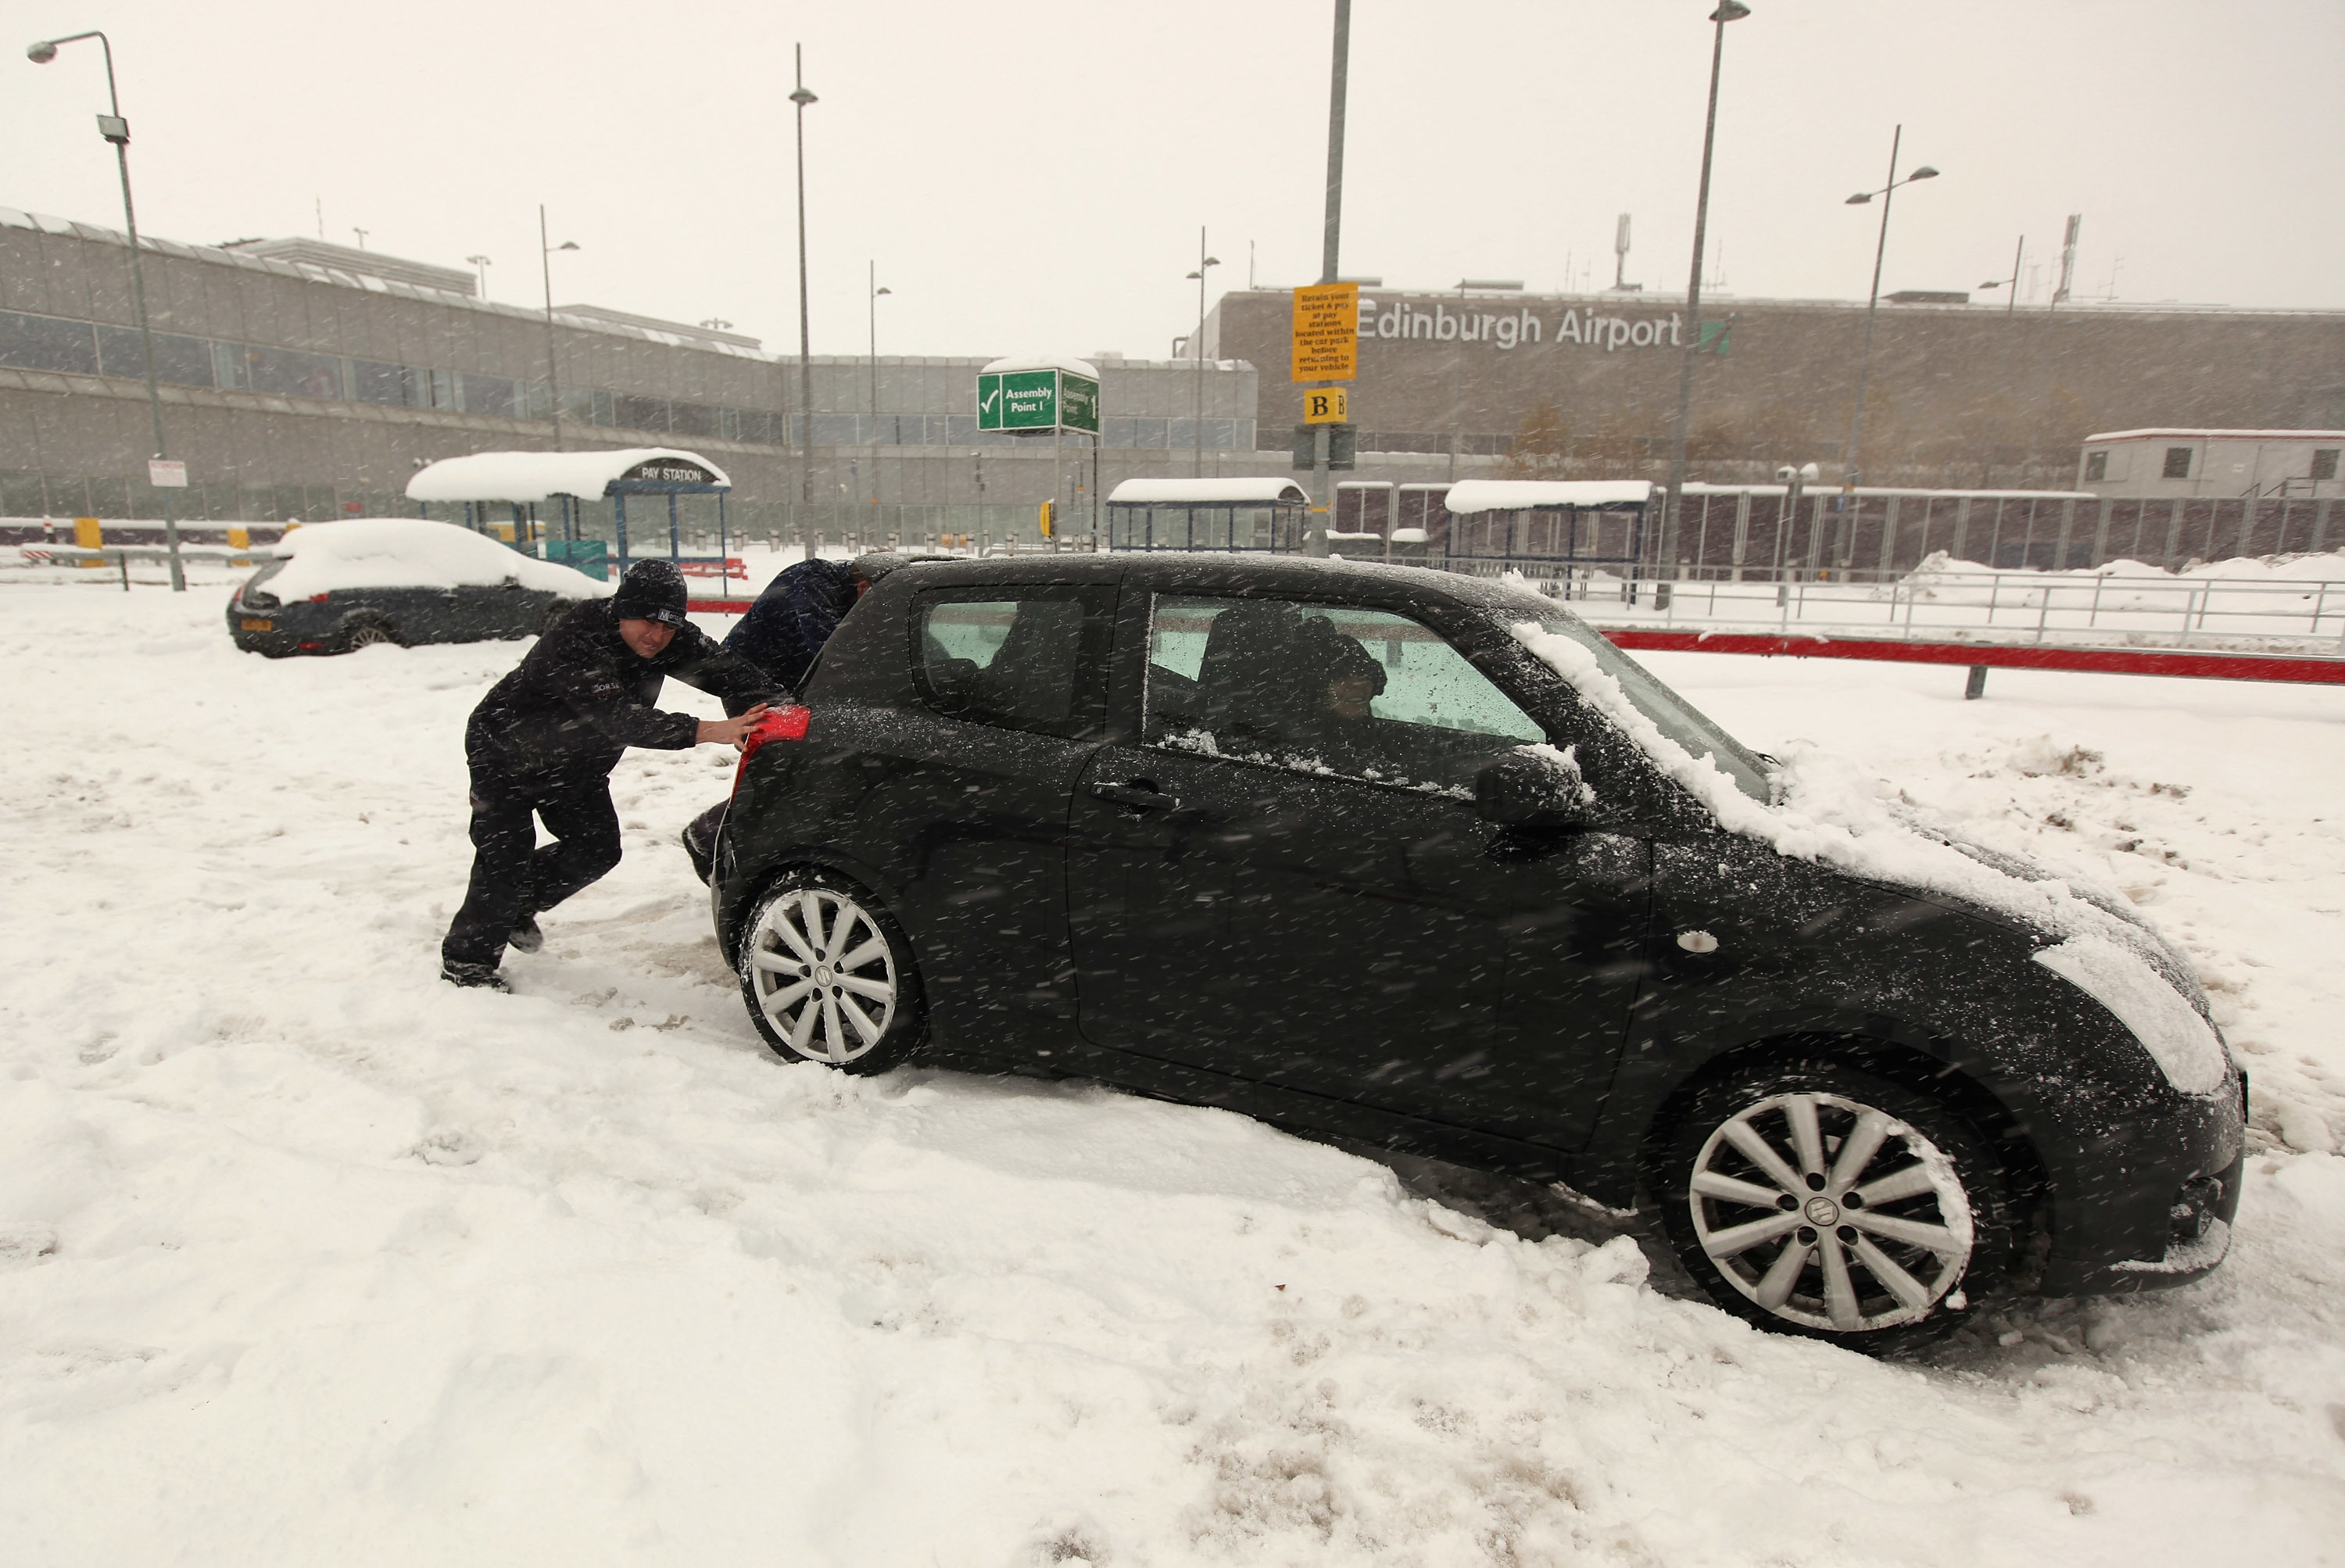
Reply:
x=1824, y=811
x=412, y=553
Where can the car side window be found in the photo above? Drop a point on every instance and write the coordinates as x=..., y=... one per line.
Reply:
x=1327, y=688
x=1021, y=657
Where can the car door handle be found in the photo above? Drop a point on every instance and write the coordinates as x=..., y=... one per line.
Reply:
x=1143, y=796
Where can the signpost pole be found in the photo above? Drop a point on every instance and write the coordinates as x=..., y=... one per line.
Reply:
x=1339, y=73
x=1058, y=446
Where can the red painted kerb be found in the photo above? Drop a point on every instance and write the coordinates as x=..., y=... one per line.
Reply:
x=2006, y=656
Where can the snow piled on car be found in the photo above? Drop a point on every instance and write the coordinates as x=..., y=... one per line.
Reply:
x=1825, y=811
x=413, y=552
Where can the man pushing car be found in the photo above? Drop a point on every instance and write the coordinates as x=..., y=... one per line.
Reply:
x=541, y=744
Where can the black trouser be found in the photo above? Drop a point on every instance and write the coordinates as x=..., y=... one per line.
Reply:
x=512, y=877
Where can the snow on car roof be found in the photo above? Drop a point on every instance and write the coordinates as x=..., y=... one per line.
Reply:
x=527, y=476
x=412, y=553
x=1171, y=492
x=1513, y=495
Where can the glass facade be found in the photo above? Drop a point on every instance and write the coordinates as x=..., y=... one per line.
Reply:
x=52, y=344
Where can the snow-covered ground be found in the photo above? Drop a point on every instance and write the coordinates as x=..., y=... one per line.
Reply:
x=306, y=1258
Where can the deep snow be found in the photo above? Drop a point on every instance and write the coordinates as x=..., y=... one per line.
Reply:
x=305, y=1257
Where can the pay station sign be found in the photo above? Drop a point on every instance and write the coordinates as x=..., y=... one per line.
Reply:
x=1327, y=332
x=1327, y=405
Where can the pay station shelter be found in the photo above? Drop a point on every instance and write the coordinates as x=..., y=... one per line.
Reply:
x=524, y=480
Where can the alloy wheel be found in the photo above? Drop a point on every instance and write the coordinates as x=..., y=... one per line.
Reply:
x=1831, y=1213
x=823, y=974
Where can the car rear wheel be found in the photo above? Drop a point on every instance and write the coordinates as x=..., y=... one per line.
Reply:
x=368, y=631
x=1813, y=1198
x=828, y=977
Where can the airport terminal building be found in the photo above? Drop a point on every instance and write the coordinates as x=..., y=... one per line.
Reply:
x=303, y=380
x=1961, y=394
x=306, y=380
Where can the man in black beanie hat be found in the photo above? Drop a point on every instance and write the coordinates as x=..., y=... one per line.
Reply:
x=543, y=741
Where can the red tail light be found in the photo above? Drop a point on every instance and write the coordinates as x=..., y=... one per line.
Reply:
x=779, y=724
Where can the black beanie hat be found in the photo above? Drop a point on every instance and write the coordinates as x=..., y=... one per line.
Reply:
x=651, y=591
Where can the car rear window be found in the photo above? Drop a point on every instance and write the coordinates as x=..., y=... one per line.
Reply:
x=1019, y=656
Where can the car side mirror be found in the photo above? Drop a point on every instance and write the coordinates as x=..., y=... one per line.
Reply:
x=1534, y=786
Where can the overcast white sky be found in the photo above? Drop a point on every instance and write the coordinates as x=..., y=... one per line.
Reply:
x=1031, y=177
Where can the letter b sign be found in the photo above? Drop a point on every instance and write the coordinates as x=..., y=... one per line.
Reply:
x=1329, y=405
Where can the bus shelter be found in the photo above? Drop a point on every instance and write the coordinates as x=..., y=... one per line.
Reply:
x=565, y=479
x=1543, y=528
x=1271, y=516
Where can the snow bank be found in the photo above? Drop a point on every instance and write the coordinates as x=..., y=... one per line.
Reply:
x=307, y=1258
x=412, y=553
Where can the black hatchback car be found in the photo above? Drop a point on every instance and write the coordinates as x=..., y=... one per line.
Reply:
x=1421, y=859
x=340, y=586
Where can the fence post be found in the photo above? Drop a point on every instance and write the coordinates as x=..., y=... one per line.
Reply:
x=1976, y=688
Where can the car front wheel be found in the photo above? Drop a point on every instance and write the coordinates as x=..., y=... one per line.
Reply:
x=828, y=976
x=1814, y=1198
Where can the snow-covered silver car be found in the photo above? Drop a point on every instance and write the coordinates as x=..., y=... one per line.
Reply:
x=338, y=587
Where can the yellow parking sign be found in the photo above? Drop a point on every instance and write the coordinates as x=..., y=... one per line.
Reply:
x=1327, y=405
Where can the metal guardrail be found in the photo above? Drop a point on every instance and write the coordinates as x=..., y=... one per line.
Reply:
x=2023, y=608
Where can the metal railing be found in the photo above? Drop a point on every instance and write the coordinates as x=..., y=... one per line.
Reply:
x=2245, y=614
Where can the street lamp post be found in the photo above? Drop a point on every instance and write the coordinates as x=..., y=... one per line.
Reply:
x=116, y=129
x=1872, y=307
x=1197, y=350
x=802, y=97
x=1728, y=11
x=872, y=282
x=482, y=264
x=2011, y=301
x=553, y=369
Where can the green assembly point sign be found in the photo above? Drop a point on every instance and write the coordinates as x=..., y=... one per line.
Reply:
x=1037, y=400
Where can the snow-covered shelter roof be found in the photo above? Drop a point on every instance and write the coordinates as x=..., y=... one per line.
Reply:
x=1207, y=493
x=1516, y=495
x=528, y=476
x=1073, y=367
x=2219, y=435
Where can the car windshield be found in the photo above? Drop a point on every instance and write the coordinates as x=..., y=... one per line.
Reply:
x=1673, y=715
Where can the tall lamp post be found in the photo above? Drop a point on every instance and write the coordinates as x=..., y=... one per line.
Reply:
x=1728, y=11
x=1197, y=348
x=872, y=282
x=116, y=129
x=1872, y=307
x=802, y=97
x=553, y=370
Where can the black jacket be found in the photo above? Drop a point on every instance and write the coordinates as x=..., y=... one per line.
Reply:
x=582, y=697
x=793, y=618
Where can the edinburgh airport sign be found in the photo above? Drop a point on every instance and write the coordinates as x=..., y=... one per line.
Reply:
x=1580, y=327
